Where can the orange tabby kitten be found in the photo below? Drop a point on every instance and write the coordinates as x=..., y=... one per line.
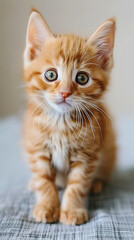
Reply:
x=67, y=132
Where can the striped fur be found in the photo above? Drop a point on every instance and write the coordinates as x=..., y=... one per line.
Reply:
x=71, y=145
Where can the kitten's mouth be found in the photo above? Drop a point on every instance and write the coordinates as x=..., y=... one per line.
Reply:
x=63, y=102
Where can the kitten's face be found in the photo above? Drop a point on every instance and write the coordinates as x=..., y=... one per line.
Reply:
x=65, y=73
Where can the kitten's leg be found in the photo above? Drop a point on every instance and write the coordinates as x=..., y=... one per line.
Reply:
x=79, y=181
x=107, y=160
x=47, y=206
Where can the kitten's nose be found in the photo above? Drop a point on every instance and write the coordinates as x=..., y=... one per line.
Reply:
x=65, y=94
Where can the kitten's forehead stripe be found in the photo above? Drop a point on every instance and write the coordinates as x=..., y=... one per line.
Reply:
x=70, y=48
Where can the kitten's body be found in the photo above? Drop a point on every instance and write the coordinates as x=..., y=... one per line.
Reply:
x=60, y=143
x=70, y=143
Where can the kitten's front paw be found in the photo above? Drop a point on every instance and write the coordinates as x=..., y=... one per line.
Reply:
x=74, y=216
x=45, y=214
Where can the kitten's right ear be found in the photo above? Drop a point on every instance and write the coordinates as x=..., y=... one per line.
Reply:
x=38, y=33
x=103, y=40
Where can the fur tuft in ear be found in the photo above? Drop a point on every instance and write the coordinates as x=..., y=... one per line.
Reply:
x=103, y=40
x=38, y=33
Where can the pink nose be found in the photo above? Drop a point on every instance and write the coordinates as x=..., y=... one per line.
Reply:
x=65, y=94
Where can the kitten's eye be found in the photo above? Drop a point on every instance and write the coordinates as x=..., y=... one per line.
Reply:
x=82, y=78
x=51, y=75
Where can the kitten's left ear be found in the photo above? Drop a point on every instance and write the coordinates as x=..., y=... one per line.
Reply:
x=103, y=40
x=38, y=33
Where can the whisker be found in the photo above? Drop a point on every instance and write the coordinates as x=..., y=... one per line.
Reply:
x=90, y=120
x=101, y=110
x=95, y=107
x=94, y=99
x=81, y=117
x=37, y=107
x=104, y=114
x=85, y=129
x=95, y=120
x=77, y=118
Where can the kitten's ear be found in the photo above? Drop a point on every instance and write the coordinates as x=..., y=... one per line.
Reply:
x=38, y=33
x=103, y=40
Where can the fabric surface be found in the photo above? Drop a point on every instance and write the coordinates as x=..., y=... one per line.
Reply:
x=111, y=212
x=111, y=215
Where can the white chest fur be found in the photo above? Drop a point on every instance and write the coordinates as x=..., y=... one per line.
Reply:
x=60, y=152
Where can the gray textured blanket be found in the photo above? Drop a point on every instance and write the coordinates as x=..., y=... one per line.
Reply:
x=111, y=215
x=111, y=212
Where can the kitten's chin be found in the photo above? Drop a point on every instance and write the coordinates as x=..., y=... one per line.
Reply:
x=61, y=107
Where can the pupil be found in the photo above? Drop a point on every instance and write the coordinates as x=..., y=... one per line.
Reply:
x=51, y=75
x=82, y=78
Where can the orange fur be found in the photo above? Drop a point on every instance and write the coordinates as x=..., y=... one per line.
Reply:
x=69, y=144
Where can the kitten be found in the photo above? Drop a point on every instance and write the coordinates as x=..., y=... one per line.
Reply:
x=67, y=132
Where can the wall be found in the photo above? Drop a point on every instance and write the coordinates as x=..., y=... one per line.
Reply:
x=79, y=17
